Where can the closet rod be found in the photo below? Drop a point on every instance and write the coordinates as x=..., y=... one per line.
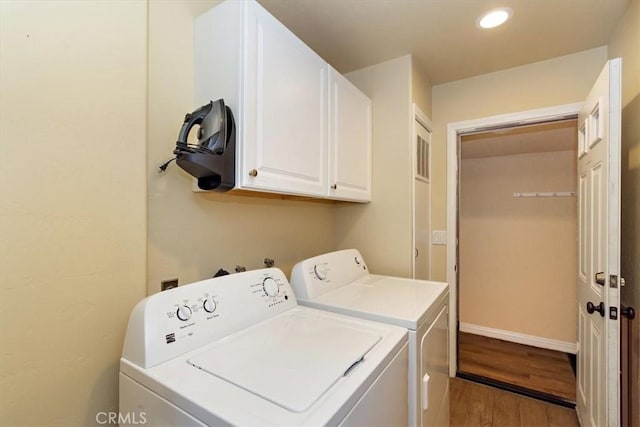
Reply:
x=547, y=194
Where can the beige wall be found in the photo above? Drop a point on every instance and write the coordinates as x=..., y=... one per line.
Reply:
x=73, y=220
x=72, y=206
x=420, y=88
x=625, y=43
x=561, y=80
x=382, y=229
x=191, y=235
x=518, y=255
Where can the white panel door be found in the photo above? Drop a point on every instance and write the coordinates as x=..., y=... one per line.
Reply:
x=599, y=251
x=285, y=120
x=349, y=140
x=422, y=202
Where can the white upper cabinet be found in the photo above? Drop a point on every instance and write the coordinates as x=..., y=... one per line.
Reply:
x=279, y=91
x=349, y=140
x=285, y=120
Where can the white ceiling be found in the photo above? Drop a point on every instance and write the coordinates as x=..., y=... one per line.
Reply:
x=442, y=35
x=540, y=138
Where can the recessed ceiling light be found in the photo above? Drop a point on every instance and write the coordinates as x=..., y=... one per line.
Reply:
x=494, y=18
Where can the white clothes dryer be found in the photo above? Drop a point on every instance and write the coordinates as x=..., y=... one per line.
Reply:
x=238, y=350
x=340, y=282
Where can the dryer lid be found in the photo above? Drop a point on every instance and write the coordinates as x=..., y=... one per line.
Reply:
x=290, y=360
x=393, y=300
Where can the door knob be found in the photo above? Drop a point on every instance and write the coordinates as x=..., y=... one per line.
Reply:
x=600, y=278
x=628, y=312
x=599, y=308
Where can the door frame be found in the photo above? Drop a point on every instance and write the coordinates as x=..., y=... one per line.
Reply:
x=420, y=117
x=454, y=131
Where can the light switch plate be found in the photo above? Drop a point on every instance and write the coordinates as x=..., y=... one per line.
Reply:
x=439, y=237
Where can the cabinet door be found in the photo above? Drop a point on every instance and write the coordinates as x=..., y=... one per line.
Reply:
x=349, y=140
x=284, y=124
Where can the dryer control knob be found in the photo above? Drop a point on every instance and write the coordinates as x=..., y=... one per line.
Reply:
x=183, y=313
x=270, y=287
x=320, y=271
x=209, y=305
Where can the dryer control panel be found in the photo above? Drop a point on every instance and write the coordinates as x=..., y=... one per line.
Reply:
x=170, y=323
x=318, y=275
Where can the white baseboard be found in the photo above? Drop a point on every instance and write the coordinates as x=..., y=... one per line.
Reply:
x=548, y=343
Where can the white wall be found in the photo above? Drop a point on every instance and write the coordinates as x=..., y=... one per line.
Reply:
x=562, y=80
x=72, y=204
x=518, y=256
x=191, y=235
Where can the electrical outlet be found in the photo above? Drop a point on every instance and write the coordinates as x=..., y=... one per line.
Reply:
x=168, y=284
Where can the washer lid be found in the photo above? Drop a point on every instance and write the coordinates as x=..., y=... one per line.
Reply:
x=291, y=360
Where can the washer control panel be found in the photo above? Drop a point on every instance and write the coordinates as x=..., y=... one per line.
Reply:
x=173, y=322
x=272, y=290
x=315, y=276
x=195, y=308
x=321, y=271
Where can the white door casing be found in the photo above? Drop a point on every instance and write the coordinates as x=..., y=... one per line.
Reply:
x=454, y=130
x=599, y=121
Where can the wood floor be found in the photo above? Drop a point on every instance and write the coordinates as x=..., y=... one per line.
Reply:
x=477, y=405
x=534, y=368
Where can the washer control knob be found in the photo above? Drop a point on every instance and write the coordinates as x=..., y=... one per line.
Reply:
x=270, y=287
x=320, y=271
x=209, y=305
x=183, y=313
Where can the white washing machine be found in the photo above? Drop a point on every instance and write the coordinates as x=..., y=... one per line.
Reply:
x=340, y=282
x=239, y=350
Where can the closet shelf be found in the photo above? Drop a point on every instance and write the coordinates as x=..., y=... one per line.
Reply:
x=546, y=194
